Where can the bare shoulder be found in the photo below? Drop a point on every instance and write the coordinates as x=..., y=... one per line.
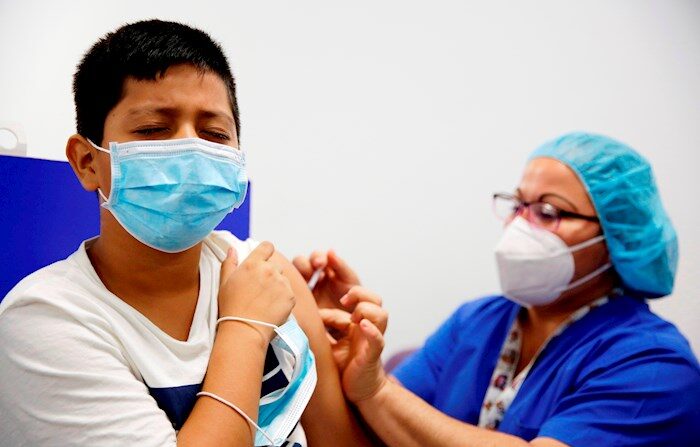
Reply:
x=305, y=310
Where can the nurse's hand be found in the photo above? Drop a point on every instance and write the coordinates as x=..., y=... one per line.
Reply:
x=357, y=342
x=336, y=277
x=256, y=289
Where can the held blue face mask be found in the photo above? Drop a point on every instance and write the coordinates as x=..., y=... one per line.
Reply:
x=170, y=194
x=280, y=411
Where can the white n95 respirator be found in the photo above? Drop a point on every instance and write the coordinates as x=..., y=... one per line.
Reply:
x=535, y=266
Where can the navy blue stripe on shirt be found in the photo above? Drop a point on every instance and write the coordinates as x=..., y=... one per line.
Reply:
x=274, y=383
x=271, y=361
x=177, y=401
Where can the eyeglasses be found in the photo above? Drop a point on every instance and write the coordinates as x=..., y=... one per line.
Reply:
x=545, y=215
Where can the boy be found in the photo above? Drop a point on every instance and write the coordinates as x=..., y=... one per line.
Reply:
x=111, y=345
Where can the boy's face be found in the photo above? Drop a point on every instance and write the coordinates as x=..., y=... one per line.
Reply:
x=184, y=103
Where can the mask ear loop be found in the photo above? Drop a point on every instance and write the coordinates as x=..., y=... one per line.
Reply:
x=588, y=277
x=594, y=273
x=99, y=148
x=105, y=199
x=237, y=410
x=586, y=244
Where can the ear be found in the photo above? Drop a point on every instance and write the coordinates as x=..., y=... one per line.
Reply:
x=83, y=159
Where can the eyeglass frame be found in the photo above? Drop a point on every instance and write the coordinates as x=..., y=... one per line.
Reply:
x=560, y=212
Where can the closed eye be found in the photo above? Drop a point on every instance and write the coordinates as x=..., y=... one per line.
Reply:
x=147, y=131
x=217, y=135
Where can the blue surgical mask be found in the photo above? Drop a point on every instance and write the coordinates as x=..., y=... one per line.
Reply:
x=280, y=411
x=170, y=194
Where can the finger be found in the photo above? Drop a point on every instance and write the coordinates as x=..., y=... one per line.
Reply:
x=278, y=267
x=303, y=265
x=377, y=315
x=262, y=252
x=318, y=259
x=335, y=318
x=331, y=340
x=229, y=264
x=375, y=341
x=359, y=294
x=342, y=269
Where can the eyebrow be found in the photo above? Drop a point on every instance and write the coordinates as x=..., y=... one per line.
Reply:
x=169, y=111
x=213, y=114
x=519, y=193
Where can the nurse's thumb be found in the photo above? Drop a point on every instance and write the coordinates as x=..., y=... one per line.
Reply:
x=375, y=341
x=342, y=269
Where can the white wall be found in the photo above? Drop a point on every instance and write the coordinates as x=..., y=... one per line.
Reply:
x=381, y=128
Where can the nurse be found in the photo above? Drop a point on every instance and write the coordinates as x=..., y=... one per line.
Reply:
x=570, y=354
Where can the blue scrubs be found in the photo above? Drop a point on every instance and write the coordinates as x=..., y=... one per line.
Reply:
x=620, y=376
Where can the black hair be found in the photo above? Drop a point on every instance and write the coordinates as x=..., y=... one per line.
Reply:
x=143, y=50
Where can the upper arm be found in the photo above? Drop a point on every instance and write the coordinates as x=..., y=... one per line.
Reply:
x=305, y=309
x=328, y=411
x=632, y=397
x=62, y=383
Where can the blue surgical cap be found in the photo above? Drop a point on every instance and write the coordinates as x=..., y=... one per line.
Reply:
x=641, y=240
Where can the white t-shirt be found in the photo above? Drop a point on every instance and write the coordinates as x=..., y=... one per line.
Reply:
x=79, y=366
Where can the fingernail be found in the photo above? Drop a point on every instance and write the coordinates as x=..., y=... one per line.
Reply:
x=229, y=252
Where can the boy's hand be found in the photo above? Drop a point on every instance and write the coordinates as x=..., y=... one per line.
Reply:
x=336, y=278
x=256, y=289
